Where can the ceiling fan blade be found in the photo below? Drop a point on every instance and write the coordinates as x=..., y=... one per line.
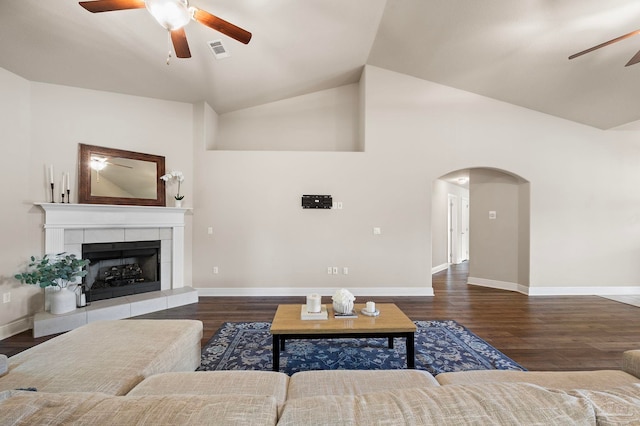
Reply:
x=180, y=45
x=634, y=60
x=110, y=5
x=222, y=26
x=606, y=43
x=119, y=165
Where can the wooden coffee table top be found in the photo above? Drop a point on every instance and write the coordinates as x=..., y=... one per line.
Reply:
x=391, y=320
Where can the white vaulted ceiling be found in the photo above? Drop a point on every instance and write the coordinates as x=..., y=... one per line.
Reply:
x=514, y=51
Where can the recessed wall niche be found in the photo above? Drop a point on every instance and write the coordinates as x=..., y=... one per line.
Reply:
x=328, y=120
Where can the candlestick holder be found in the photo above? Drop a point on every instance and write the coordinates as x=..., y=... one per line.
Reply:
x=52, y=197
x=62, y=198
x=68, y=196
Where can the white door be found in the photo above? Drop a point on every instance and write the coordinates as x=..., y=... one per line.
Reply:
x=464, y=231
x=452, y=231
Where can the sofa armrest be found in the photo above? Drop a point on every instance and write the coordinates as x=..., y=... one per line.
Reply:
x=631, y=362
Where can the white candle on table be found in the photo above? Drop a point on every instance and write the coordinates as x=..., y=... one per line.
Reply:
x=313, y=303
x=68, y=182
x=371, y=306
x=51, y=173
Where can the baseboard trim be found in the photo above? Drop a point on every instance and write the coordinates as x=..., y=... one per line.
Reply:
x=304, y=291
x=439, y=268
x=16, y=327
x=584, y=291
x=500, y=285
x=555, y=291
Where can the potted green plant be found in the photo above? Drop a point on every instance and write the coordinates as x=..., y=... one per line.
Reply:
x=60, y=272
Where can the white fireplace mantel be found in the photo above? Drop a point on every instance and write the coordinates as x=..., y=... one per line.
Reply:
x=60, y=217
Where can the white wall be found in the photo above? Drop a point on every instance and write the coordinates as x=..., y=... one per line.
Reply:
x=582, y=180
x=582, y=188
x=19, y=239
x=494, y=243
x=327, y=120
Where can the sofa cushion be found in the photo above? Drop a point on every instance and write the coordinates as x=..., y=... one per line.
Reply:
x=493, y=403
x=100, y=409
x=602, y=379
x=253, y=383
x=106, y=356
x=355, y=382
x=3, y=364
x=618, y=406
x=631, y=362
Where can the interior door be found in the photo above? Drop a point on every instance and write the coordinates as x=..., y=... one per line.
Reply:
x=464, y=231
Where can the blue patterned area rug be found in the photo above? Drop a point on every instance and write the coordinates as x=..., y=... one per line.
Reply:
x=440, y=346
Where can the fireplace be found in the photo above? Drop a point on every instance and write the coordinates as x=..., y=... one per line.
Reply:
x=121, y=269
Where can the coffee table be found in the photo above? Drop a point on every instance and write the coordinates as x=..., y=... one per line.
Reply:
x=391, y=322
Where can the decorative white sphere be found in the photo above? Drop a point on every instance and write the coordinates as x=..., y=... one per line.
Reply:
x=344, y=307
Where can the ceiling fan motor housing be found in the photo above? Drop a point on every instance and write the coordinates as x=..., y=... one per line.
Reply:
x=171, y=14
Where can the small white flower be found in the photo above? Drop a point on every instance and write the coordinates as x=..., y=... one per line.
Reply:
x=343, y=295
x=177, y=175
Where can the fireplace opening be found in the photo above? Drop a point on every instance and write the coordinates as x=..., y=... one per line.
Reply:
x=121, y=269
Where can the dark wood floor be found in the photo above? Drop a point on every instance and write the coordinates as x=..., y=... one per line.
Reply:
x=540, y=333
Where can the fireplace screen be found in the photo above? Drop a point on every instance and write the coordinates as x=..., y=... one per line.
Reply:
x=121, y=269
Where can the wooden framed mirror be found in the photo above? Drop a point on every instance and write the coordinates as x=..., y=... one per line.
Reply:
x=115, y=176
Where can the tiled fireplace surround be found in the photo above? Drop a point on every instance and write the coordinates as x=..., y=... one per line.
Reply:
x=68, y=226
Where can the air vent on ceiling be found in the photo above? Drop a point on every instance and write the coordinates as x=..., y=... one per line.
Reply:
x=218, y=49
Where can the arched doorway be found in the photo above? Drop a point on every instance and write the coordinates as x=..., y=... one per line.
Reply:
x=481, y=215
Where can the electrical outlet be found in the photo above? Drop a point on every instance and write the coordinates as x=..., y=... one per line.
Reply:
x=377, y=231
x=210, y=230
x=329, y=270
x=6, y=298
x=339, y=205
x=215, y=270
x=335, y=270
x=345, y=271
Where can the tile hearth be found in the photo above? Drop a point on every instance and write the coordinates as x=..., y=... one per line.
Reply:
x=45, y=323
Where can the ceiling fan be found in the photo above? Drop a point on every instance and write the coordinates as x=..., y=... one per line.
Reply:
x=634, y=60
x=173, y=15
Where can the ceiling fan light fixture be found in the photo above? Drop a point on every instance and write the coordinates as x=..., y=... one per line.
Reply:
x=98, y=163
x=171, y=14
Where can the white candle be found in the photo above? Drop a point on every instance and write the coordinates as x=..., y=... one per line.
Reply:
x=51, y=173
x=313, y=303
x=68, y=183
x=371, y=306
x=62, y=184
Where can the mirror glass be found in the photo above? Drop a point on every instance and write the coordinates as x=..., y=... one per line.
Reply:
x=110, y=176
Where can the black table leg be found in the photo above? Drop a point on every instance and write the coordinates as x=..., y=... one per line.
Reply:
x=390, y=342
x=276, y=352
x=411, y=352
x=281, y=343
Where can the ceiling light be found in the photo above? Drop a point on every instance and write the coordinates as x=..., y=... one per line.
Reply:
x=171, y=14
x=98, y=163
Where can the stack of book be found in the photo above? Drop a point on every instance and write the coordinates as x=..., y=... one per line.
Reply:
x=306, y=315
x=351, y=314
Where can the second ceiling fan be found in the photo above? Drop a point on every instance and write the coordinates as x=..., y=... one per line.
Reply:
x=173, y=15
x=634, y=60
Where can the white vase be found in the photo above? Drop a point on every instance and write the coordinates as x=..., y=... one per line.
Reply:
x=62, y=301
x=343, y=307
x=178, y=203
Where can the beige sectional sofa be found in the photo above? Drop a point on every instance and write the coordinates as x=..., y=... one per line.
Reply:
x=159, y=386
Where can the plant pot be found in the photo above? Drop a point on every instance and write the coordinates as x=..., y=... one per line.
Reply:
x=178, y=203
x=62, y=301
x=343, y=308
